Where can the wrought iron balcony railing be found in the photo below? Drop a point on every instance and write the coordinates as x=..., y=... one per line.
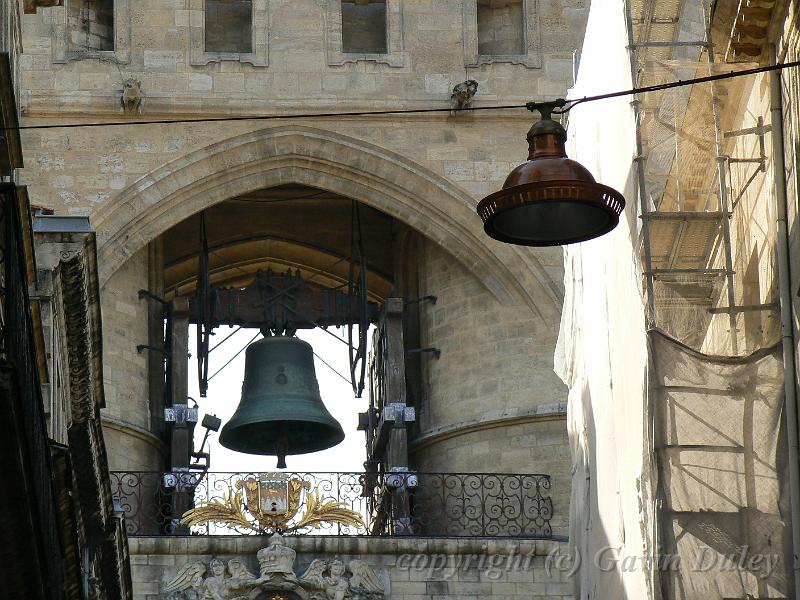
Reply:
x=356, y=504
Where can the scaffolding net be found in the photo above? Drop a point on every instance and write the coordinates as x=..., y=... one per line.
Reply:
x=709, y=271
x=696, y=385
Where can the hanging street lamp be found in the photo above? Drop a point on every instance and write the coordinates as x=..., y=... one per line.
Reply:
x=550, y=200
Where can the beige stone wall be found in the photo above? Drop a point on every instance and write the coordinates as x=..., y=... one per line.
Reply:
x=493, y=402
x=296, y=34
x=10, y=26
x=131, y=449
x=539, y=446
x=500, y=29
x=127, y=414
x=415, y=568
x=123, y=314
x=495, y=356
x=498, y=310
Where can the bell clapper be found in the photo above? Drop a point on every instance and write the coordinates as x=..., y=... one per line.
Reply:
x=281, y=448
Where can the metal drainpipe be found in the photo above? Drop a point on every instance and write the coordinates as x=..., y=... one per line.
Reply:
x=787, y=318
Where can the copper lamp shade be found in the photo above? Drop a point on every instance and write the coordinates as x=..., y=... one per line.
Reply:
x=550, y=200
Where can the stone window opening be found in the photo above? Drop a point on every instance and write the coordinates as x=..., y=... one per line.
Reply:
x=229, y=30
x=90, y=25
x=502, y=31
x=501, y=27
x=229, y=26
x=364, y=27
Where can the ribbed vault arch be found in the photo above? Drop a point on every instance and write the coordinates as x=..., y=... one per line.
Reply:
x=380, y=178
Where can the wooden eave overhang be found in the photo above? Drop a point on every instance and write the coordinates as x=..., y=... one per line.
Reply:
x=76, y=277
x=85, y=433
x=10, y=145
x=29, y=253
x=68, y=522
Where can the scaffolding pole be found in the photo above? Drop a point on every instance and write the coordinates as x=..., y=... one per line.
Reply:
x=723, y=186
x=724, y=210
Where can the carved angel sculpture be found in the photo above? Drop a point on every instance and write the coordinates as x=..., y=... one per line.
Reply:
x=238, y=571
x=364, y=583
x=214, y=586
x=188, y=583
x=313, y=578
x=336, y=584
x=241, y=581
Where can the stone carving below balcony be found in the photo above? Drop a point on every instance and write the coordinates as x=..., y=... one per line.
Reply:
x=322, y=580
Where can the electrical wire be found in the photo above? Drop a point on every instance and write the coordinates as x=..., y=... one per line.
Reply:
x=564, y=105
x=679, y=83
x=253, y=339
x=322, y=360
x=333, y=335
x=229, y=336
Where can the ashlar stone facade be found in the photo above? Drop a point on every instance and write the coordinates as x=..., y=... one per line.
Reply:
x=492, y=402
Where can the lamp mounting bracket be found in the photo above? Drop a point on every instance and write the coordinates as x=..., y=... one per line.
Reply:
x=546, y=109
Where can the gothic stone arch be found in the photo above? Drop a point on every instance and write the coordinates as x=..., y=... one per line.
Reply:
x=387, y=181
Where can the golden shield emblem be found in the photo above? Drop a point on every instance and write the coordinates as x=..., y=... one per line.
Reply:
x=273, y=495
x=274, y=498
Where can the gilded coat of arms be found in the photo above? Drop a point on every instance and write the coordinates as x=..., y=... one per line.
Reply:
x=270, y=503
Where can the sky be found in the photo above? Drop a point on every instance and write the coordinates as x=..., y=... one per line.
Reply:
x=225, y=389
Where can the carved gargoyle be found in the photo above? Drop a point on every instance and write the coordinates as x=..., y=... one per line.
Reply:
x=132, y=99
x=463, y=94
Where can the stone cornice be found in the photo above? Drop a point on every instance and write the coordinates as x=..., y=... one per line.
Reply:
x=492, y=420
x=134, y=431
x=340, y=545
x=76, y=298
x=90, y=106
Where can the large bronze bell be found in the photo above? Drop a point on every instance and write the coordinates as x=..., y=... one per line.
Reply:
x=281, y=411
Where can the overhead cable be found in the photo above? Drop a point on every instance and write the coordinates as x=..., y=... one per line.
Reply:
x=568, y=104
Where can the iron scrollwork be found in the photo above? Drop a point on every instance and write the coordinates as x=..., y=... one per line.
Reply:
x=432, y=504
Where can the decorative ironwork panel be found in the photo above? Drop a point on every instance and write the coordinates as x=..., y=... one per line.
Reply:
x=379, y=504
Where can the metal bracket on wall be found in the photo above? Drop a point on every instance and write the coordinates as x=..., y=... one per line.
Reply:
x=180, y=414
x=435, y=351
x=429, y=298
x=142, y=347
x=151, y=296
